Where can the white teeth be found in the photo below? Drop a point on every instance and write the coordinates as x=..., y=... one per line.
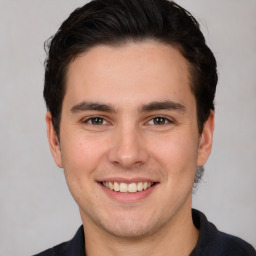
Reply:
x=124, y=187
x=132, y=187
x=140, y=186
x=111, y=186
x=116, y=186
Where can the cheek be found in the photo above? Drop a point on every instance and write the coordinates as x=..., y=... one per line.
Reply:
x=82, y=154
x=177, y=153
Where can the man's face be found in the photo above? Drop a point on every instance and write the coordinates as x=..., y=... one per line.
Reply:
x=129, y=123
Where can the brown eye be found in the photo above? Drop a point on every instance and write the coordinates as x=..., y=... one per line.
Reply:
x=96, y=121
x=160, y=121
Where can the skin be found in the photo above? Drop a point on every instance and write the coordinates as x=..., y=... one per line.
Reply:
x=125, y=136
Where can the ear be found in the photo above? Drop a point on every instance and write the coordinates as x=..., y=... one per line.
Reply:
x=53, y=140
x=205, y=140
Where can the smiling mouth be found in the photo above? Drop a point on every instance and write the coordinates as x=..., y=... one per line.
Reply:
x=127, y=188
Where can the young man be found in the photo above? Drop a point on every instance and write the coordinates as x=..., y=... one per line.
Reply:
x=129, y=88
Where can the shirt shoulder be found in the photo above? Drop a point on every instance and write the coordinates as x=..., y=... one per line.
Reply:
x=74, y=247
x=49, y=252
x=213, y=242
x=231, y=245
x=58, y=250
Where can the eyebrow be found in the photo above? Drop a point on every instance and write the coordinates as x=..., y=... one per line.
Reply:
x=152, y=106
x=85, y=106
x=165, y=105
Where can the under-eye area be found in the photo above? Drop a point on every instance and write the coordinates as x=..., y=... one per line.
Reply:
x=128, y=187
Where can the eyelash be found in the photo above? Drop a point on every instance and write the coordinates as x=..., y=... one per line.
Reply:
x=162, y=118
x=153, y=121
x=94, y=118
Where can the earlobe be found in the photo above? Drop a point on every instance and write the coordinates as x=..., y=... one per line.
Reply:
x=53, y=140
x=205, y=140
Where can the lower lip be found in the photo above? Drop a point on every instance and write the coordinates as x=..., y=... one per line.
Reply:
x=128, y=197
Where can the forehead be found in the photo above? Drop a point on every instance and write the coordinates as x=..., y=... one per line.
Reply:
x=133, y=72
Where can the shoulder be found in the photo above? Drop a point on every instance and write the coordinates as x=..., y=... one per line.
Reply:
x=61, y=249
x=232, y=245
x=49, y=252
x=73, y=247
x=213, y=242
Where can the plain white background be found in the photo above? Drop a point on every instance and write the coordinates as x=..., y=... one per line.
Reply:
x=37, y=210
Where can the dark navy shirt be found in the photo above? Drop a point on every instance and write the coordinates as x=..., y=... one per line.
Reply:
x=211, y=242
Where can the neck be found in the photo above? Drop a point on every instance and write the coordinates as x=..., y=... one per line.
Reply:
x=170, y=240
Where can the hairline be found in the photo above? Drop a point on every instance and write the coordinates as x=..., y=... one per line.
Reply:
x=116, y=43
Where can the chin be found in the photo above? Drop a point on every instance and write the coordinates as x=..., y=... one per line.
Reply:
x=131, y=228
x=129, y=231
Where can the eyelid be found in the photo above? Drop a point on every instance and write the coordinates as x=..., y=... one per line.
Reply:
x=86, y=120
x=89, y=118
x=168, y=119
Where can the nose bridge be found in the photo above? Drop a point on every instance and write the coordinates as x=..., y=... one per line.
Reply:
x=128, y=149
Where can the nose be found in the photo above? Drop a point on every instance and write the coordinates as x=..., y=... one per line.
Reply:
x=128, y=149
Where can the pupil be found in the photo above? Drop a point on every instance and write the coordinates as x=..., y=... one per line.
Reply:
x=159, y=120
x=97, y=120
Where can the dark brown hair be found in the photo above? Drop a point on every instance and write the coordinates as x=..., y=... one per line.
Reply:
x=114, y=22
